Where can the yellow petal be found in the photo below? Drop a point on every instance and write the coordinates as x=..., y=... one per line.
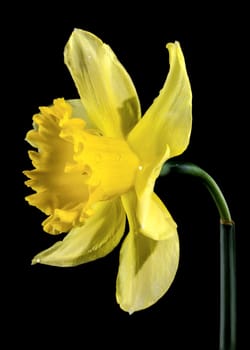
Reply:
x=146, y=202
x=147, y=266
x=98, y=237
x=105, y=88
x=168, y=120
x=158, y=224
x=78, y=111
x=148, y=215
x=146, y=271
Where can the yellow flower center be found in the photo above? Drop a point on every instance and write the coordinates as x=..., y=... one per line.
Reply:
x=75, y=167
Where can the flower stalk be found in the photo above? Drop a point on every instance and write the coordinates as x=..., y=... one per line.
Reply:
x=227, y=331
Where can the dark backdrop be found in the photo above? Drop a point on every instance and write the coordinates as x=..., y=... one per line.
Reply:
x=76, y=307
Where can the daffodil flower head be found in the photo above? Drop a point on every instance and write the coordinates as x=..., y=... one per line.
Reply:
x=96, y=164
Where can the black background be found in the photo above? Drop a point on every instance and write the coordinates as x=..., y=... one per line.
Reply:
x=76, y=306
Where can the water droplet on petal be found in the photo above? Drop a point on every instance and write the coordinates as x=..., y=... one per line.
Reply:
x=140, y=167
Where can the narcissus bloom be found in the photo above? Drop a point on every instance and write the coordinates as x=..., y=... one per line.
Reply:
x=96, y=163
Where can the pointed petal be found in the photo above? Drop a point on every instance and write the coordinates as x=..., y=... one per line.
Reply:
x=158, y=224
x=98, y=237
x=105, y=88
x=146, y=202
x=168, y=120
x=146, y=271
x=78, y=111
x=147, y=266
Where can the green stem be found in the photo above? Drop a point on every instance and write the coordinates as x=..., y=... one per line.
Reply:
x=227, y=332
x=207, y=180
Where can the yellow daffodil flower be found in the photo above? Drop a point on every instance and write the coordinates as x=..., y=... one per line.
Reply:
x=97, y=163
